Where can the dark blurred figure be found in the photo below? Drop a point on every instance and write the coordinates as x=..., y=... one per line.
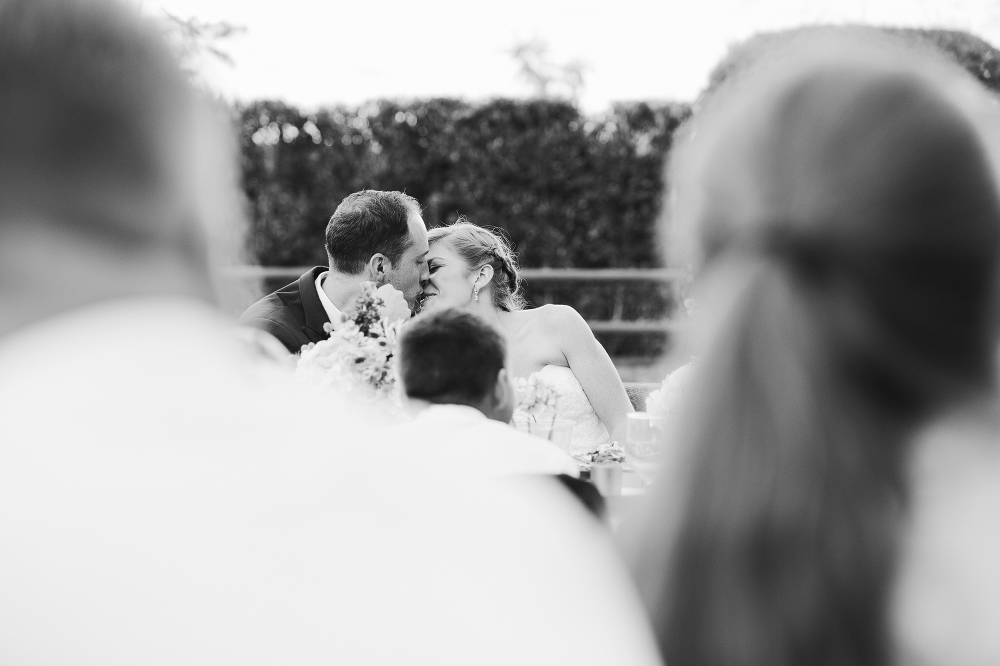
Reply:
x=452, y=365
x=457, y=358
x=848, y=219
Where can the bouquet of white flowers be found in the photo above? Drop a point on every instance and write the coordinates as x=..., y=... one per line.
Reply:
x=535, y=398
x=666, y=399
x=359, y=357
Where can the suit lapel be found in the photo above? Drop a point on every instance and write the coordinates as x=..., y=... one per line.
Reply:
x=315, y=313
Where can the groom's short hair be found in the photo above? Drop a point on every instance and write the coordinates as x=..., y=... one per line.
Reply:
x=450, y=357
x=367, y=223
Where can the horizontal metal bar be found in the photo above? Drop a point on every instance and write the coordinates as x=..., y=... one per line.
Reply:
x=248, y=272
x=642, y=386
x=596, y=274
x=539, y=274
x=534, y=274
x=662, y=326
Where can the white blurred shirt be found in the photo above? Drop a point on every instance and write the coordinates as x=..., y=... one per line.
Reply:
x=465, y=441
x=946, y=597
x=162, y=501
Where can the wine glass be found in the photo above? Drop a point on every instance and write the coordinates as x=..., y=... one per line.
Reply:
x=644, y=442
x=557, y=431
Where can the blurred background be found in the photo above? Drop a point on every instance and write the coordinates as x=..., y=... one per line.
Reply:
x=546, y=118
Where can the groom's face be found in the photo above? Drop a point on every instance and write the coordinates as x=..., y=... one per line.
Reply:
x=410, y=273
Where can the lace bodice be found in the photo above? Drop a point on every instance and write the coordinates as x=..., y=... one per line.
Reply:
x=573, y=405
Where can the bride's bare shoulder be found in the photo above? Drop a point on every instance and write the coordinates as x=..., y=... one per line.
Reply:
x=556, y=315
x=560, y=325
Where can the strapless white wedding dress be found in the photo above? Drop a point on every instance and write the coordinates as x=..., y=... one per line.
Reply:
x=573, y=405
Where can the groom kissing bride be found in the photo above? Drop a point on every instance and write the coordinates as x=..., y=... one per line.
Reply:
x=380, y=237
x=373, y=236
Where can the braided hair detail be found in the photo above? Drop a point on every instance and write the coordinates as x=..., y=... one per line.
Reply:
x=479, y=246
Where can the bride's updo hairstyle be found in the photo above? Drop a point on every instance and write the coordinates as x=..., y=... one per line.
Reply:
x=478, y=247
x=844, y=204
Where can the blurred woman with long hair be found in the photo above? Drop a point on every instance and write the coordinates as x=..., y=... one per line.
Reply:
x=848, y=225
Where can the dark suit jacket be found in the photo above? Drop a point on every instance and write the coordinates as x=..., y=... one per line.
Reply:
x=293, y=314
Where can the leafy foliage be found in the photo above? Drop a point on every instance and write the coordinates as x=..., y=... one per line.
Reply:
x=976, y=55
x=568, y=190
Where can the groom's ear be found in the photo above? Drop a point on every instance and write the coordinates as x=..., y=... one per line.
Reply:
x=378, y=268
x=503, y=397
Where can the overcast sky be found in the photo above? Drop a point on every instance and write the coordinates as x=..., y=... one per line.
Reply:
x=318, y=52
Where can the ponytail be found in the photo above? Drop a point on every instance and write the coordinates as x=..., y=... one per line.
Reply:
x=787, y=536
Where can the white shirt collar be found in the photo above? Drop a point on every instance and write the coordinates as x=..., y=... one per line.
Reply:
x=332, y=311
x=451, y=414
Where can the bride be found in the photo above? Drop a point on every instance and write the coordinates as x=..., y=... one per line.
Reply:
x=473, y=268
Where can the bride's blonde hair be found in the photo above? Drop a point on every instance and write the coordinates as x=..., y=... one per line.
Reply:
x=480, y=247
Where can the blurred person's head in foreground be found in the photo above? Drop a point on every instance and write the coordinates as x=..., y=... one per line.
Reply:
x=379, y=237
x=846, y=211
x=101, y=186
x=471, y=266
x=454, y=357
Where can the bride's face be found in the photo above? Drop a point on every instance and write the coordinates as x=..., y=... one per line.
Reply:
x=451, y=279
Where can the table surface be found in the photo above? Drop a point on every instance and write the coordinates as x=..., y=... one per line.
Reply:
x=634, y=495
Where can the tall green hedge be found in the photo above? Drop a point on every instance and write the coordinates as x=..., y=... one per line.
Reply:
x=568, y=189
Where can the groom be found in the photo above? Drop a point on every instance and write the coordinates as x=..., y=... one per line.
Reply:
x=373, y=236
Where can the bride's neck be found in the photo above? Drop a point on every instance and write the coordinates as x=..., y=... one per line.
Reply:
x=485, y=308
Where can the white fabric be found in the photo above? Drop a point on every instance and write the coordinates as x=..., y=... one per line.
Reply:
x=465, y=442
x=946, y=607
x=162, y=504
x=573, y=405
x=332, y=311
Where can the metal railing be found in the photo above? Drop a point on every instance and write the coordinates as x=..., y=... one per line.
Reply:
x=622, y=276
